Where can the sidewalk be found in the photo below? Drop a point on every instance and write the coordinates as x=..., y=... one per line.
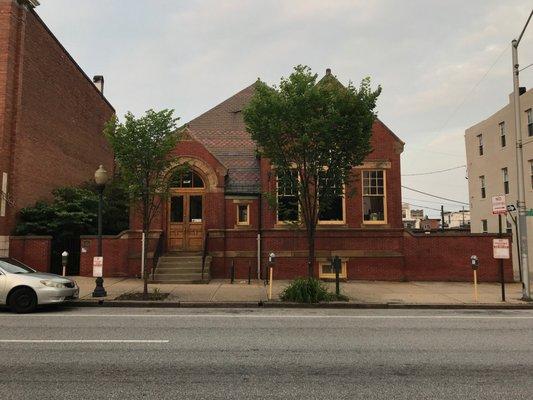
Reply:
x=359, y=292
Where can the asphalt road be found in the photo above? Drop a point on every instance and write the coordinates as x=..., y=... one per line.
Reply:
x=118, y=353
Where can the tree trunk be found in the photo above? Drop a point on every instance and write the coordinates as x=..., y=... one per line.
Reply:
x=146, y=230
x=311, y=255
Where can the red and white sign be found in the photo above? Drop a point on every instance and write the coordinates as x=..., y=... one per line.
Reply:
x=98, y=263
x=499, y=206
x=500, y=248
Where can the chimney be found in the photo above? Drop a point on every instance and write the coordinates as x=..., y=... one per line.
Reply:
x=328, y=71
x=99, y=82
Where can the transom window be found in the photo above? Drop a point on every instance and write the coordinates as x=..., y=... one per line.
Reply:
x=374, y=196
x=186, y=179
x=326, y=270
x=334, y=213
x=287, y=199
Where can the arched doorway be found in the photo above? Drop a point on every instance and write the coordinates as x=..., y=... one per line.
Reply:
x=185, y=223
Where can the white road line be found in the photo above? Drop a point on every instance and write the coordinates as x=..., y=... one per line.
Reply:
x=259, y=316
x=80, y=341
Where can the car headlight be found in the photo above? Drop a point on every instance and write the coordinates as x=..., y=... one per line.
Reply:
x=53, y=284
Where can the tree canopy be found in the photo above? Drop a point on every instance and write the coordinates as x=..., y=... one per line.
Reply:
x=314, y=133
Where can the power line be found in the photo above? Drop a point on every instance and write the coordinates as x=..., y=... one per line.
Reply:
x=437, y=197
x=473, y=88
x=424, y=207
x=440, y=203
x=436, y=172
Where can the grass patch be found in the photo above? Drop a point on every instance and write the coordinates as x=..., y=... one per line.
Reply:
x=155, y=295
x=309, y=290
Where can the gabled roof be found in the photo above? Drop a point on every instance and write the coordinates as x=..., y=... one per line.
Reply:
x=223, y=132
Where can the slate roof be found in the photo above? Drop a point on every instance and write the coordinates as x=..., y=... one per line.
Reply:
x=223, y=132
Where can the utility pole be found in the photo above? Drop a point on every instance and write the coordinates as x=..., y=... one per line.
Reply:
x=522, y=223
x=442, y=218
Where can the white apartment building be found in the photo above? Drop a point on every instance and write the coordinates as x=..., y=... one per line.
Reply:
x=411, y=218
x=457, y=219
x=491, y=164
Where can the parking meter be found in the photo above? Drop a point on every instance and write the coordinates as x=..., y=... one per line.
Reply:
x=271, y=262
x=474, y=262
x=336, y=264
x=64, y=260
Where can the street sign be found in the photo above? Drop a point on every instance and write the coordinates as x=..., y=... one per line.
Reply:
x=499, y=206
x=500, y=248
x=529, y=213
x=511, y=207
x=98, y=263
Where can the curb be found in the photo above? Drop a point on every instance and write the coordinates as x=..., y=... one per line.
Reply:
x=261, y=304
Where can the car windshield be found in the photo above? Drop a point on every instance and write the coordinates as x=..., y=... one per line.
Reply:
x=14, y=267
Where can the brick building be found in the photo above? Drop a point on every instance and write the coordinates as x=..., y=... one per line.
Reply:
x=51, y=115
x=217, y=216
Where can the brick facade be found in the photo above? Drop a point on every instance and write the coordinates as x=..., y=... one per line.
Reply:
x=34, y=251
x=51, y=114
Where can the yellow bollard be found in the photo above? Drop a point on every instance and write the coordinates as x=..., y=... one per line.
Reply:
x=270, y=273
x=475, y=286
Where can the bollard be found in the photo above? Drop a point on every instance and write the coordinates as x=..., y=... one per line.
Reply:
x=336, y=263
x=232, y=272
x=64, y=261
x=249, y=272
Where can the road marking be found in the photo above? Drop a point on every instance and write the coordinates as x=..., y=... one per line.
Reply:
x=80, y=341
x=260, y=316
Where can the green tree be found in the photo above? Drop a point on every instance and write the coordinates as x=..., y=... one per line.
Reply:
x=73, y=212
x=314, y=134
x=142, y=148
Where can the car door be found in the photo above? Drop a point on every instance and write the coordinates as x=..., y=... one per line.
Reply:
x=3, y=285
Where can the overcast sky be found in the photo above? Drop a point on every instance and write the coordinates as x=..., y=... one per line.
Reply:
x=430, y=57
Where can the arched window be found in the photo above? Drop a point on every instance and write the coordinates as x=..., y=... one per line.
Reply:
x=186, y=179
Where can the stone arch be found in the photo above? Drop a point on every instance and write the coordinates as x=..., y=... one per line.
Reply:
x=206, y=172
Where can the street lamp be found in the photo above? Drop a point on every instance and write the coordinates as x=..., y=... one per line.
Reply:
x=521, y=201
x=100, y=178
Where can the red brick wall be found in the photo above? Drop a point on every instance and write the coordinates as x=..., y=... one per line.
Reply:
x=122, y=254
x=35, y=251
x=386, y=147
x=55, y=114
x=446, y=257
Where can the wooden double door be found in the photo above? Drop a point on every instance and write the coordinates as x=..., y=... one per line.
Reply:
x=185, y=222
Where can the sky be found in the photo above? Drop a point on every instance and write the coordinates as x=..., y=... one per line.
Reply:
x=443, y=65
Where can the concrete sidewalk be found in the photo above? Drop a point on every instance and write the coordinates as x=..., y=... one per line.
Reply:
x=359, y=292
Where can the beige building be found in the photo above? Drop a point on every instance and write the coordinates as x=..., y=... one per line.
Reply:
x=491, y=163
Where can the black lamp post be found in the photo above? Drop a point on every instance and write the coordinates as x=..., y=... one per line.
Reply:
x=100, y=177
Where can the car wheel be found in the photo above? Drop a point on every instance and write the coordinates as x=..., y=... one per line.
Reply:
x=23, y=301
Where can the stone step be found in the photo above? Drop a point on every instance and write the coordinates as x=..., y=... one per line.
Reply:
x=171, y=270
x=179, y=277
x=176, y=260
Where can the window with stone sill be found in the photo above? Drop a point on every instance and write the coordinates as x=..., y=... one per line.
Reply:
x=374, y=197
x=243, y=214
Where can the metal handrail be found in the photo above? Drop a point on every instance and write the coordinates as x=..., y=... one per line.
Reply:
x=158, y=252
x=204, y=253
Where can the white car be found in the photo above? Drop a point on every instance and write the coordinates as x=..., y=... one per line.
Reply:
x=23, y=289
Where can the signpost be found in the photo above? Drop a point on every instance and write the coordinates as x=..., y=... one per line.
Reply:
x=499, y=207
x=98, y=263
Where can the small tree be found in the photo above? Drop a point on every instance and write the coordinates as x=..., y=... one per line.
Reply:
x=142, y=148
x=314, y=134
